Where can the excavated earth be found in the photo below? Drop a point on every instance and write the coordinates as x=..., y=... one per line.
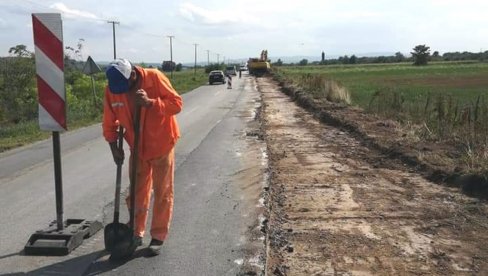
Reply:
x=338, y=207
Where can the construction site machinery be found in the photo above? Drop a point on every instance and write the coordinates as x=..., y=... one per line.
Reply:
x=259, y=66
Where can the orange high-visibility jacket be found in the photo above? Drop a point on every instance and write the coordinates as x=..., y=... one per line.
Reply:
x=158, y=127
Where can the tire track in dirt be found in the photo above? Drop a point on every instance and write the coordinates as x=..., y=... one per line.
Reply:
x=338, y=208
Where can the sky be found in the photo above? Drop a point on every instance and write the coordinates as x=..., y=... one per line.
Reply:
x=239, y=29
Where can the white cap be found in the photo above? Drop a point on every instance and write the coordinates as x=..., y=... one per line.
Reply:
x=123, y=66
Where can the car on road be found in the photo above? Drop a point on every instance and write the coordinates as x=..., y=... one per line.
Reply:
x=243, y=68
x=216, y=76
x=231, y=70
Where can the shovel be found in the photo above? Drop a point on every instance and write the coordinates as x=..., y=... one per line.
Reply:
x=117, y=233
x=126, y=246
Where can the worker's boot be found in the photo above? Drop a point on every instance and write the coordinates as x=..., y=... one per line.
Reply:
x=155, y=247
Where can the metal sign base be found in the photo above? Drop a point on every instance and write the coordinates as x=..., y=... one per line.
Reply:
x=54, y=242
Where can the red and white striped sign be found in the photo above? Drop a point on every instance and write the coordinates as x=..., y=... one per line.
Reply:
x=48, y=41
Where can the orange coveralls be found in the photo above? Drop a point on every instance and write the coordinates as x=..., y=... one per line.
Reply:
x=158, y=135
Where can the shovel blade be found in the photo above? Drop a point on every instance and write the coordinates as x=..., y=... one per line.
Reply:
x=123, y=250
x=117, y=236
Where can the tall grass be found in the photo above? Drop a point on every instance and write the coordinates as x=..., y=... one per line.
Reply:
x=322, y=88
x=443, y=118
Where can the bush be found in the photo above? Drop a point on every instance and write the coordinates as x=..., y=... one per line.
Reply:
x=83, y=104
x=18, y=97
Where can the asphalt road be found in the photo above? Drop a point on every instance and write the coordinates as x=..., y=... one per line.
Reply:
x=219, y=183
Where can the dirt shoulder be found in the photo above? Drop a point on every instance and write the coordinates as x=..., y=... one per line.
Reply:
x=339, y=206
x=441, y=162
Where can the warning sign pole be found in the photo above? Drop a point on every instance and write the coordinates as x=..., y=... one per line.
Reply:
x=61, y=237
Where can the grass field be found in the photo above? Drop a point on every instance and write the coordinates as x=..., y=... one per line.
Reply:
x=185, y=81
x=463, y=81
x=26, y=132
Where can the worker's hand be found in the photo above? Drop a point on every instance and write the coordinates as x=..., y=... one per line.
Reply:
x=118, y=154
x=142, y=99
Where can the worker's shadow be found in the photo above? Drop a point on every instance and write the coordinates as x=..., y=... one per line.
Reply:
x=89, y=264
x=104, y=263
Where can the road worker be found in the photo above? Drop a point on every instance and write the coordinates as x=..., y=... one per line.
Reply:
x=129, y=86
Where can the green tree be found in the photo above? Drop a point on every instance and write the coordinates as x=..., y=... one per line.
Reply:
x=399, y=57
x=436, y=56
x=279, y=62
x=420, y=54
x=18, y=100
x=303, y=62
x=20, y=51
x=353, y=59
x=179, y=66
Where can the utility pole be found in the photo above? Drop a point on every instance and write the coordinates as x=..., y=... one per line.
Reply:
x=218, y=58
x=113, y=31
x=195, y=67
x=171, y=52
x=208, y=57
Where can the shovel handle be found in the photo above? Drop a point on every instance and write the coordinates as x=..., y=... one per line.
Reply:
x=118, y=178
x=135, y=158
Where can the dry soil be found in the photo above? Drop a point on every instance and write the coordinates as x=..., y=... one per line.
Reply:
x=337, y=207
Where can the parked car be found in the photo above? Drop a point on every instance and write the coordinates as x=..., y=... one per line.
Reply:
x=231, y=70
x=243, y=68
x=216, y=76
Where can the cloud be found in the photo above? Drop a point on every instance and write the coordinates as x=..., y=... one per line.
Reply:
x=3, y=24
x=201, y=15
x=73, y=13
x=201, y=23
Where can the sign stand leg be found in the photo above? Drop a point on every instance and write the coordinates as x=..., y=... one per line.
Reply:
x=58, y=180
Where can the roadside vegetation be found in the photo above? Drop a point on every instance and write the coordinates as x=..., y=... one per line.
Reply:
x=441, y=102
x=19, y=104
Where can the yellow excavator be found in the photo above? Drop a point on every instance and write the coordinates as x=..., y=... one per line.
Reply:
x=259, y=66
